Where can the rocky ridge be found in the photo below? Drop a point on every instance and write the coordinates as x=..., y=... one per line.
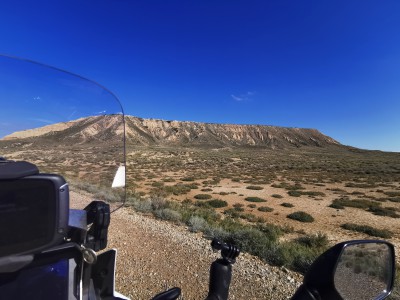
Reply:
x=149, y=132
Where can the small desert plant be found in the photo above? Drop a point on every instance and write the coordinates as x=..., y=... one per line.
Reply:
x=255, y=199
x=383, y=233
x=276, y=196
x=314, y=241
x=217, y=203
x=286, y=204
x=197, y=224
x=384, y=211
x=168, y=214
x=254, y=187
x=294, y=193
x=202, y=196
x=265, y=209
x=301, y=216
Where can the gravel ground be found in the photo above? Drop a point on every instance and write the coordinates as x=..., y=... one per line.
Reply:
x=154, y=255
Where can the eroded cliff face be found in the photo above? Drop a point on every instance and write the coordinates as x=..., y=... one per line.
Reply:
x=149, y=132
x=152, y=131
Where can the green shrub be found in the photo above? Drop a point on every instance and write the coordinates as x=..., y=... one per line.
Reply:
x=177, y=189
x=392, y=193
x=384, y=211
x=233, y=212
x=277, y=196
x=168, y=214
x=143, y=205
x=202, y=196
x=217, y=203
x=189, y=178
x=197, y=224
x=206, y=190
x=255, y=199
x=285, y=204
x=301, y=216
x=252, y=205
x=168, y=179
x=336, y=205
x=383, y=233
x=360, y=185
x=294, y=193
x=254, y=187
x=158, y=202
x=356, y=203
x=394, y=199
x=265, y=209
x=249, y=217
x=314, y=240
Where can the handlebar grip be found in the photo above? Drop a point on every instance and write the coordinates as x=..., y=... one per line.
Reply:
x=220, y=279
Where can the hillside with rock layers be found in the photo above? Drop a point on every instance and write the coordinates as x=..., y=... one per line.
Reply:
x=148, y=132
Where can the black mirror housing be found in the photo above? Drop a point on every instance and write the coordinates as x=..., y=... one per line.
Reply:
x=320, y=283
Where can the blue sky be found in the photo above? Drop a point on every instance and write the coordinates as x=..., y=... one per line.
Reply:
x=329, y=65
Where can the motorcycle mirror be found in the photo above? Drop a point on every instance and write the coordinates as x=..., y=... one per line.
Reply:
x=369, y=268
x=351, y=270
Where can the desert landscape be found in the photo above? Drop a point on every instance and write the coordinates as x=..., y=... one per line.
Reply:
x=282, y=194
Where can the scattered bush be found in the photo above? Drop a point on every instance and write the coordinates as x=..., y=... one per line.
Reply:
x=395, y=199
x=265, y=209
x=384, y=211
x=158, y=202
x=356, y=203
x=202, y=196
x=217, y=203
x=285, y=204
x=177, y=189
x=157, y=184
x=296, y=193
x=301, y=216
x=360, y=185
x=168, y=214
x=143, y=205
x=382, y=233
x=254, y=187
x=169, y=179
x=319, y=240
x=252, y=205
x=255, y=199
x=197, y=224
x=189, y=178
x=233, y=212
x=277, y=196
x=392, y=193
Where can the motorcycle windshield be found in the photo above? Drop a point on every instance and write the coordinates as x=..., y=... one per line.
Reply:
x=64, y=124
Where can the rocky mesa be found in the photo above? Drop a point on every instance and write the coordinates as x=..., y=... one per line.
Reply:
x=148, y=132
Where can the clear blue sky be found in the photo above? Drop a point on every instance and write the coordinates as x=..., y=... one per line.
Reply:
x=330, y=65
